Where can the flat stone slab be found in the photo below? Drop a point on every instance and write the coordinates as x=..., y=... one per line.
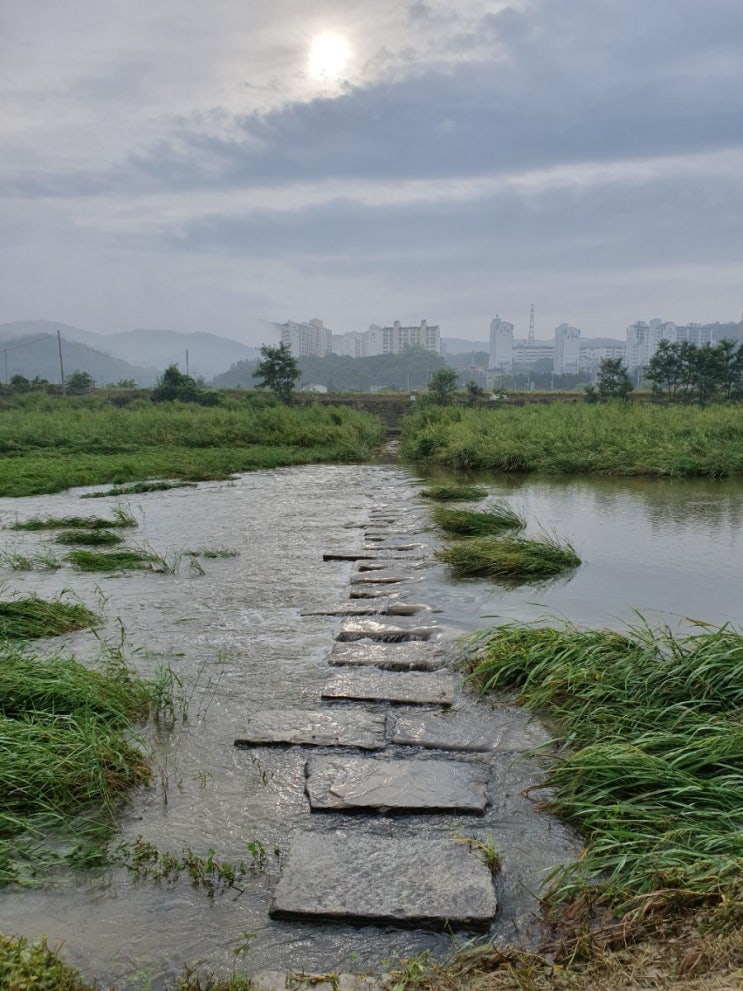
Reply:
x=327, y=728
x=379, y=578
x=357, y=877
x=413, y=687
x=416, y=655
x=372, y=629
x=368, y=592
x=363, y=784
x=349, y=556
x=501, y=729
x=382, y=606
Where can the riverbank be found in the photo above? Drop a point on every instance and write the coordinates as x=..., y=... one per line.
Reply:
x=49, y=444
x=620, y=439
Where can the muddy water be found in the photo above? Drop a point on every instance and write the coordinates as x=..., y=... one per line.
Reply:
x=237, y=640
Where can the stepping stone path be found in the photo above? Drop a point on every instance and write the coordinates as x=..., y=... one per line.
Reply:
x=437, y=757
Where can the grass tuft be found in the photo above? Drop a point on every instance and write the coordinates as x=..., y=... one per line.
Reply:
x=470, y=523
x=121, y=519
x=31, y=617
x=126, y=559
x=91, y=538
x=451, y=493
x=138, y=488
x=510, y=557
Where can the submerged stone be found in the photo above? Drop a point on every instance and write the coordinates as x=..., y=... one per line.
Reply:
x=413, y=687
x=359, y=877
x=481, y=730
x=383, y=606
x=326, y=728
x=371, y=629
x=379, y=578
x=396, y=785
x=416, y=655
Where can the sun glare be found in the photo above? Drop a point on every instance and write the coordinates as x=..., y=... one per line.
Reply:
x=329, y=54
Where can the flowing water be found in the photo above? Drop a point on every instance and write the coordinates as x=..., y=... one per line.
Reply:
x=236, y=638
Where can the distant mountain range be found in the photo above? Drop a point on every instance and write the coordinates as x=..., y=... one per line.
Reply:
x=29, y=348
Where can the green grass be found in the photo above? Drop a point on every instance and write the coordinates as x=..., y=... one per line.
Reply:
x=30, y=617
x=67, y=756
x=509, y=557
x=577, y=438
x=126, y=559
x=138, y=488
x=121, y=519
x=52, y=444
x=470, y=523
x=451, y=493
x=93, y=538
x=652, y=772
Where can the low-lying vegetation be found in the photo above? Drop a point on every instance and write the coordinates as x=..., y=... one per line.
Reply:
x=30, y=618
x=92, y=538
x=510, y=557
x=138, y=488
x=125, y=559
x=454, y=493
x=121, y=519
x=612, y=439
x=470, y=523
x=49, y=443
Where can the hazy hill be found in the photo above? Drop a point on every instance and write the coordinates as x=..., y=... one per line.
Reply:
x=38, y=355
x=146, y=353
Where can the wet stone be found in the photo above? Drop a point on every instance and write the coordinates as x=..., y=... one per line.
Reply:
x=396, y=785
x=382, y=606
x=479, y=730
x=349, y=556
x=358, y=877
x=371, y=629
x=412, y=687
x=368, y=592
x=416, y=655
x=379, y=578
x=327, y=728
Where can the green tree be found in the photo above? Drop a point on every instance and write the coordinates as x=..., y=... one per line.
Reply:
x=613, y=380
x=173, y=384
x=79, y=383
x=278, y=371
x=442, y=385
x=666, y=370
x=475, y=393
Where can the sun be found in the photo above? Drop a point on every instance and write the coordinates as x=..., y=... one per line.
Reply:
x=329, y=55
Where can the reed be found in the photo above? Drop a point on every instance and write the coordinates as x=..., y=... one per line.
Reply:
x=509, y=557
x=138, y=488
x=452, y=493
x=652, y=765
x=30, y=617
x=470, y=523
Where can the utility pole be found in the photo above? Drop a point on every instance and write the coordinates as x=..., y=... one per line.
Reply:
x=61, y=365
x=186, y=361
x=7, y=380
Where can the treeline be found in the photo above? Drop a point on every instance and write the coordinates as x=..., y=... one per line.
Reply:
x=341, y=373
x=681, y=372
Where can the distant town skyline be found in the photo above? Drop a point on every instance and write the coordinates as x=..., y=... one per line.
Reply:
x=204, y=167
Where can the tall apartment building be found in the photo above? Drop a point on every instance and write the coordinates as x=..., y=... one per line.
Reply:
x=566, y=356
x=695, y=334
x=643, y=340
x=501, y=345
x=388, y=340
x=311, y=339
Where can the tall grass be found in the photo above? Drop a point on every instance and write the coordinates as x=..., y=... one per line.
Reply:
x=30, y=617
x=48, y=446
x=66, y=752
x=125, y=559
x=89, y=538
x=509, y=557
x=120, y=519
x=612, y=439
x=469, y=523
x=652, y=769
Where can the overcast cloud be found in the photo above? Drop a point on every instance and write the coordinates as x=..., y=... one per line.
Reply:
x=179, y=164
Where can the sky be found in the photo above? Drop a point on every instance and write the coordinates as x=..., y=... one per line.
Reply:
x=203, y=165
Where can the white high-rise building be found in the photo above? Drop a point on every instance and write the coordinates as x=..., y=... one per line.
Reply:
x=501, y=345
x=311, y=339
x=567, y=349
x=643, y=340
